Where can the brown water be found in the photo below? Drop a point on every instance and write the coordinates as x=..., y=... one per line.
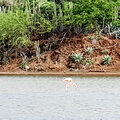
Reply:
x=45, y=98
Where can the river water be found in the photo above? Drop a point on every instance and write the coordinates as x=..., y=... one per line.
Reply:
x=46, y=98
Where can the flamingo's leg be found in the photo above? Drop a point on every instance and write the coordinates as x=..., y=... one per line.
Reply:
x=67, y=86
x=74, y=85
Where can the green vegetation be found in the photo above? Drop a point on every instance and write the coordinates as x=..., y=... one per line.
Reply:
x=84, y=61
x=89, y=50
x=107, y=59
x=92, y=37
x=89, y=14
x=104, y=51
x=23, y=65
x=22, y=19
x=14, y=33
x=77, y=57
x=88, y=62
x=14, y=28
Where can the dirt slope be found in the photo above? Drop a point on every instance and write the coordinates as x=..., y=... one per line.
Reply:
x=58, y=59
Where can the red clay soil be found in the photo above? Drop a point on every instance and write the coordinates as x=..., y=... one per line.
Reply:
x=58, y=60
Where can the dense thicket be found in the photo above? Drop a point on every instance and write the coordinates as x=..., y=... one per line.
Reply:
x=21, y=19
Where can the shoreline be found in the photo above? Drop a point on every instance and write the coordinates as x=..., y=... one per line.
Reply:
x=82, y=74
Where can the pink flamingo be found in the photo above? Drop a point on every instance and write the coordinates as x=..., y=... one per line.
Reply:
x=70, y=82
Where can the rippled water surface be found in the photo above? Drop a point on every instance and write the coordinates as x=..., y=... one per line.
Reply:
x=45, y=98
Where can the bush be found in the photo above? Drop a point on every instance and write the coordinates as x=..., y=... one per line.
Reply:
x=89, y=14
x=47, y=10
x=68, y=12
x=14, y=28
x=82, y=15
x=14, y=32
x=59, y=17
x=41, y=25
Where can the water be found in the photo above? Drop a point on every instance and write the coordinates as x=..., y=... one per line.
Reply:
x=45, y=98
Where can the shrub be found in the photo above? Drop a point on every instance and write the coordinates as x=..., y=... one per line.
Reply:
x=41, y=25
x=77, y=57
x=107, y=59
x=14, y=28
x=47, y=10
x=117, y=23
x=89, y=14
x=39, y=13
x=80, y=15
x=14, y=31
x=68, y=12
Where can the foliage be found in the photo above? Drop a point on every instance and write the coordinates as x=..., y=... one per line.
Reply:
x=88, y=62
x=104, y=51
x=77, y=57
x=114, y=29
x=92, y=37
x=39, y=16
x=89, y=14
x=41, y=25
x=23, y=65
x=14, y=28
x=89, y=50
x=47, y=10
x=42, y=16
x=14, y=32
x=107, y=59
x=117, y=23
x=80, y=15
x=97, y=38
x=68, y=13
